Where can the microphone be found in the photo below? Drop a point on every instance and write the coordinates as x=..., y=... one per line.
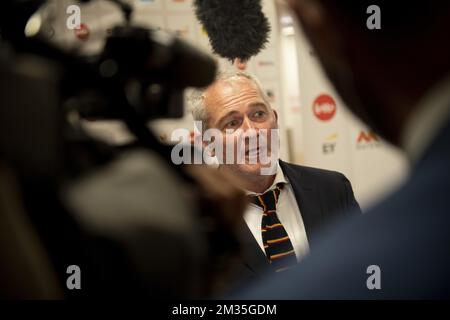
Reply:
x=237, y=29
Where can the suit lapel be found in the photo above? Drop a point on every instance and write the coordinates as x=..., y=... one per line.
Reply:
x=309, y=203
x=252, y=255
x=306, y=195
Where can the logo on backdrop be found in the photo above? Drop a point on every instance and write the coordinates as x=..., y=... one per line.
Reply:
x=265, y=63
x=367, y=139
x=82, y=32
x=329, y=146
x=324, y=107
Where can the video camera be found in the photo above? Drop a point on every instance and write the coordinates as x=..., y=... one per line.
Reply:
x=142, y=71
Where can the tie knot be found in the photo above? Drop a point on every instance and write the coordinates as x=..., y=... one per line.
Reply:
x=268, y=200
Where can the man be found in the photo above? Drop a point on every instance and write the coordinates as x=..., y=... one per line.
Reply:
x=292, y=203
x=400, y=84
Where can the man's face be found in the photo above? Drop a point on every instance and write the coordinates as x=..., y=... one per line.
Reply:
x=237, y=109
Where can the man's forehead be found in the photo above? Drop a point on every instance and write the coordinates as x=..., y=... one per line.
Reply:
x=226, y=88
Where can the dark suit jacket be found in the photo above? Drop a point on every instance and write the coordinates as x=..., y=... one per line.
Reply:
x=323, y=196
x=407, y=236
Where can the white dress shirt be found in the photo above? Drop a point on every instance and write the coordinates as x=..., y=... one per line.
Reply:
x=288, y=213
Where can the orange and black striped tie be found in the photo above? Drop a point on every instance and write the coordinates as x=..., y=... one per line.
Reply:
x=278, y=246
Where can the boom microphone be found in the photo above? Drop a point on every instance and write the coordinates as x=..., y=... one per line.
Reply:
x=236, y=28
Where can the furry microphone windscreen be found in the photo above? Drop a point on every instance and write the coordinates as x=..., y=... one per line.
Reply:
x=236, y=28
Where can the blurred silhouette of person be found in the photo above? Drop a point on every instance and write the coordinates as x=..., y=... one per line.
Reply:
x=396, y=79
x=126, y=221
x=289, y=206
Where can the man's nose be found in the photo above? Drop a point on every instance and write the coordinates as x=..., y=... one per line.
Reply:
x=247, y=124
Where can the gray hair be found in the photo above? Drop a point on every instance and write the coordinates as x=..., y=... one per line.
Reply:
x=196, y=97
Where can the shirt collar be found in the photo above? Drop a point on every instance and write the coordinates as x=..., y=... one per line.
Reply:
x=279, y=178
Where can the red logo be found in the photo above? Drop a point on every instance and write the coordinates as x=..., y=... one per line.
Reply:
x=367, y=137
x=82, y=32
x=324, y=107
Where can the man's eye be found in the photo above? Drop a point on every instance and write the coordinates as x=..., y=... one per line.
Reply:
x=231, y=124
x=259, y=114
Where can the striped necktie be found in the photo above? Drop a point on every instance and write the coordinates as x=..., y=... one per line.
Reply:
x=278, y=246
